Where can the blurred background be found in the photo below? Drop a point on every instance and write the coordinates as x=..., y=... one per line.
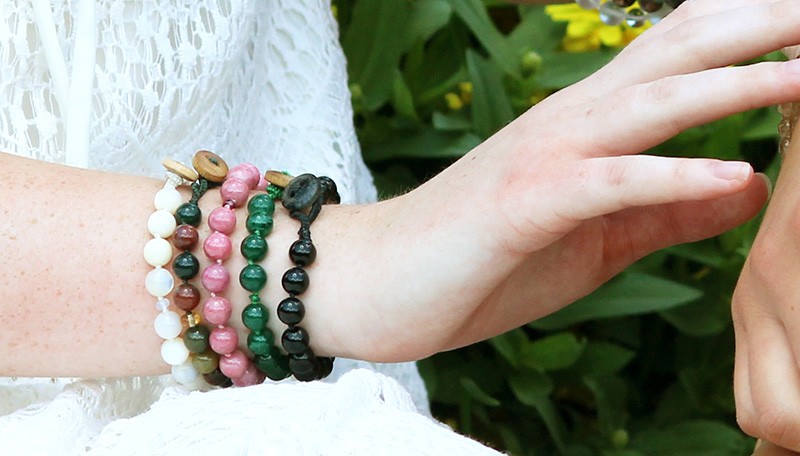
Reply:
x=641, y=367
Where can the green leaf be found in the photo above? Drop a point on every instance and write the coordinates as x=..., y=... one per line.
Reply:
x=401, y=98
x=510, y=344
x=533, y=389
x=702, y=318
x=610, y=395
x=692, y=438
x=491, y=108
x=473, y=13
x=372, y=48
x=476, y=393
x=537, y=30
x=563, y=69
x=451, y=122
x=426, y=17
x=423, y=143
x=631, y=293
x=554, y=352
x=603, y=358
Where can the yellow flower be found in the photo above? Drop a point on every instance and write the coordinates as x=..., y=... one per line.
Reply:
x=453, y=101
x=586, y=32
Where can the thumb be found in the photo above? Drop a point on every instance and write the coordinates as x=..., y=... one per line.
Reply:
x=768, y=449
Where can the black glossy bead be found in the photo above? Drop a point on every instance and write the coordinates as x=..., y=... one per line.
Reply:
x=301, y=192
x=189, y=214
x=325, y=366
x=186, y=266
x=196, y=338
x=303, y=252
x=295, y=281
x=217, y=378
x=295, y=340
x=650, y=6
x=674, y=3
x=291, y=311
x=330, y=194
x=303, y=364
x=624, y=3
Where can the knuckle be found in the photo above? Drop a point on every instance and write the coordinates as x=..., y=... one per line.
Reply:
x=780, y=426
x=660, y=91
x=617, y=173
x=747, y=422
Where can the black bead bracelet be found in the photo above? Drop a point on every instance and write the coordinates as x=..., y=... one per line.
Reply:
x=303, y=197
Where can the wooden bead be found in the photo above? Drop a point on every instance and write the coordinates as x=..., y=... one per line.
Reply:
x=180, y=169
x=278, y=178
x=210, y=166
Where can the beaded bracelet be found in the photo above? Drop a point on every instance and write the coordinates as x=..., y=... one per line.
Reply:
x=615, y=12
x=303, y=197
x=216, y=278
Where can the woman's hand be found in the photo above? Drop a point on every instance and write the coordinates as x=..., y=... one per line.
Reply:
x=557, y=202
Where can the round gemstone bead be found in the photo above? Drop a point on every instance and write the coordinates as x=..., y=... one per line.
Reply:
x=235, y=191
x=157, y=252
x=159, y=282
x=325, y=366
x=189, y=214
x=301, y=192
x=295, y=281
x=168, y=325
x=262, y=183
x=217, y=378
x=196, y=338
x=185, y=237
x=636, y=18
x=271, y=366
x=302, y=252
x=611, y=14
x=291, y=311
x=301, y=364
x=252, y=376
x=295, y=340
x=254, y=248
x=255, y=317
x=161, y=223
x=184, y=373
x=216, y=278
x=259, y=222
x=217, y=310
x=224, y=340
x=330, y=194
x=260, y=342
x=186, y=297
x=674, y=3
x=253, y=278
x=261, y=203
x=186, y=266
x=588, y=4
x=217, y=246
x=222, y=219
x=650, y=6
x=624, y=3
x=246, y=172
x=168, y=199
x=234, y=365
x=206, y=362
x=174, y=352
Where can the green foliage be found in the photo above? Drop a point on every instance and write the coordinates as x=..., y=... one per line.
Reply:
x=643, y=366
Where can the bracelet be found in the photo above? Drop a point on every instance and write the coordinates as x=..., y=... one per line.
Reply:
x=615, y=12
x=303, y=197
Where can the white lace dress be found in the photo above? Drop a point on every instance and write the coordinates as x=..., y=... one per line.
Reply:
x=118, y=85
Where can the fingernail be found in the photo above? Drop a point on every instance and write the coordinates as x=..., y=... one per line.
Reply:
x=767, y=182
x=732, y=170
x=792, y=66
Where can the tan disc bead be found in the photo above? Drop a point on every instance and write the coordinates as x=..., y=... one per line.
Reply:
x=180, y=169
x=278, y=178
x=210, y=166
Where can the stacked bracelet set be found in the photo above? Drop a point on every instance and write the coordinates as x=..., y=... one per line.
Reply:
x=615, y=12
x=189, y=346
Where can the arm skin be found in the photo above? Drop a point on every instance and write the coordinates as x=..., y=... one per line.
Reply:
x=535, y=217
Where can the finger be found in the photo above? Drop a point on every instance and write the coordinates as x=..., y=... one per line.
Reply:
x=745, y=410
x=601, y=186
x=770, y=449
x=636, y=232
x=645, y=115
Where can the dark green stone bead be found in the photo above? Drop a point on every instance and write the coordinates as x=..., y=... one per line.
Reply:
x=186, y=266
x=196, y=339
x=260, y=342
x=189, y=214
x=255, y=317
x=259, y=222
x=261, y=203
x=254, y=248
x=274, y=365
x=253, y=278
x=206, y=362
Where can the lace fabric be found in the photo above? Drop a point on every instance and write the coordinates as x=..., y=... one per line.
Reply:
x=252, y=80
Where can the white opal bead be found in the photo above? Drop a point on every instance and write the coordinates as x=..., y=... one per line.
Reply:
x=158, y=252
x=168, y=199
x=161, y=223
x=168, y=325
x=159, y=282
x=184, y=373
x=588, y=4
x=162, y=304
x=174, y=351
x=611, y=14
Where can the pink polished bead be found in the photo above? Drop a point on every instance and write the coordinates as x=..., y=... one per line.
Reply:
x=235, y=190
x=216, y=278
x=245, y=172
x=251, y=376
x=235, y=365
x=223, y=340
x=262, y=184
x=217, y=310
x=222, y=219
x=217, y=246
